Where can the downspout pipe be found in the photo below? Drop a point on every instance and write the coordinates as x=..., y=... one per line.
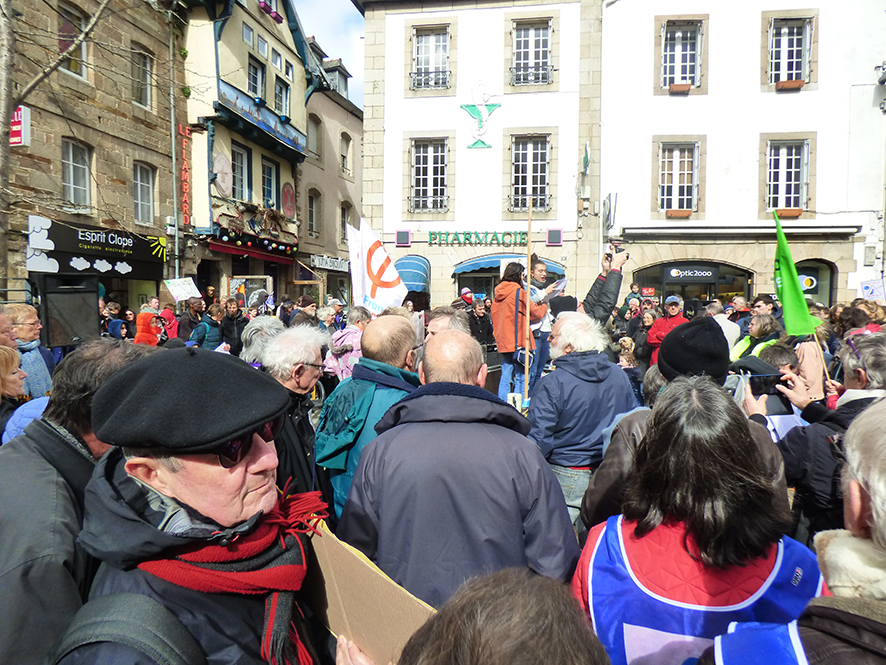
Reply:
x=172, y=136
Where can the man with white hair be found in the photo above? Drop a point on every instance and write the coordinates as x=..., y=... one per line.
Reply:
x=294, y=359
x=451, y=488
x=573, y=404
x=257, y=335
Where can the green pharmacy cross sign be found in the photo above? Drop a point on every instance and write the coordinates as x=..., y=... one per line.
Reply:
x=480, y=113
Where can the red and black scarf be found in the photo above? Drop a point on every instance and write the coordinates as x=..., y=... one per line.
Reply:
x=268, y=561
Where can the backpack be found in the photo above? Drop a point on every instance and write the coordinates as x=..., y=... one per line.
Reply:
x=133, y=620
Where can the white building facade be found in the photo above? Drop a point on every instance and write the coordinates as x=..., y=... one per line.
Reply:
x=472, y=112
x=714, y=115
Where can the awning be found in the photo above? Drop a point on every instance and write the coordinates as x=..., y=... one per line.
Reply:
x=250, y=251
x=494, y=261
x=415, y=272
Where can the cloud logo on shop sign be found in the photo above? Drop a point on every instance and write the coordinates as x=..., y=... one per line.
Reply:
x=37, y=261
x=122, y=267
x=79, y=263
x=102, y=266
x=38, y=233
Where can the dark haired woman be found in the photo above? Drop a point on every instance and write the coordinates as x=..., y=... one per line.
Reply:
x=700, y=542
x=504, y=308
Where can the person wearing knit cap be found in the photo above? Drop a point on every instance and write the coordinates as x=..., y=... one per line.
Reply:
x=189, y=514
x=306, y=314
x=464, y=301
x=695, y=348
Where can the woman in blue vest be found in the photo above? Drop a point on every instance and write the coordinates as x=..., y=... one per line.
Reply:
x=700, y=542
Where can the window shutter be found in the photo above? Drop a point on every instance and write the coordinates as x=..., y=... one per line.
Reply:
x=660, y=175
x=695, y=160
x=664, y=36
x=699, y=45
x=807, y=48
x=445, y=173
x=804, y=177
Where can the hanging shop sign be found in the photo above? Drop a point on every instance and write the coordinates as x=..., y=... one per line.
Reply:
x=329, y=263
x=477, y=239
x=20, y=128
x=63, y=247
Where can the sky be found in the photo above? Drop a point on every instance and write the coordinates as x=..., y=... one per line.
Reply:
x=338, y=28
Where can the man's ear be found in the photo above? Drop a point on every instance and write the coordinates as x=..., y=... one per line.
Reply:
x=421, y=373
x=147, y=470
x=481, y=375
x=857, y=517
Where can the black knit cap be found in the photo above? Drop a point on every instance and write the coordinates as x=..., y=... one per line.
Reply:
x=160, y=402
x=695, y=348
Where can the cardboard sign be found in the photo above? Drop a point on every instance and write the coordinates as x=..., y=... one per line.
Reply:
x=352, y=597
x=182, y=289
x=873, y=290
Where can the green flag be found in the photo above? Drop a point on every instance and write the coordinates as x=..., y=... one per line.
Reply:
x=797, y=319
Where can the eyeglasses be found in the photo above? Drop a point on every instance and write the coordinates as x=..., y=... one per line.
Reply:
x=32, y=324
x=320, y=367
x=230, y=454
x=857, y=354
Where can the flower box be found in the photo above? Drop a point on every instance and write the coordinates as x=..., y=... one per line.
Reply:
x=265, y=7
x=277, y=17
x=787, y=213
x=679, y=88
x=789, y=85
x=678, y=214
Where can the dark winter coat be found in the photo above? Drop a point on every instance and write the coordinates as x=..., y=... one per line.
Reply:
x=207, y=333
x=44, y=572
x=481, y=328
x=186, y=325
x=602, y=296
x=452, y=488
x=572, y=405
x=231, y=329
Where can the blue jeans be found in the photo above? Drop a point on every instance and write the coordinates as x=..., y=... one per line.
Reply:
x=511, y=373
x=573, y=482
x=540, y=359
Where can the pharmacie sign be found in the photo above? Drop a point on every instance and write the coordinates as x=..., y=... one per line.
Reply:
x=65, y=247
x=478, y=239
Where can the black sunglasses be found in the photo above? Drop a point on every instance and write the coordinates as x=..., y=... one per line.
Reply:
x=230, y=454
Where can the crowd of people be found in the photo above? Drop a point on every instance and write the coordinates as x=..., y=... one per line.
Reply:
x=673, y=486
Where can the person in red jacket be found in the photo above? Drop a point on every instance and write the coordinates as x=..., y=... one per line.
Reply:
x=673, y=306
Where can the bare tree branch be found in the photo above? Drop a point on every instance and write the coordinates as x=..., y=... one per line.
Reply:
x=55, y=64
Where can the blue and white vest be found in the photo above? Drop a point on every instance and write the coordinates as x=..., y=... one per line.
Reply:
x=636, y=625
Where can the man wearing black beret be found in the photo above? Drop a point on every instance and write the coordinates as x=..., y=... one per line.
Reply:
x=188, y=514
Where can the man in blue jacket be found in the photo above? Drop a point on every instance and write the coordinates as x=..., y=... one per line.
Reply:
x=452, y=488
x=573, y=404
x=383, y=376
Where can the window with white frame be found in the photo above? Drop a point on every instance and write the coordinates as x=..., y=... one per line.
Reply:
x=681, y=53
x=70, y=25
x=430, y=58
x=678, y=176
x=345, y=152
x=289, y=70
x=75, y=172
x=143, y=193
x=344, y=216
x=276, y=59
x=281, y=96
x=142, y=67
x=790, y=43
x=248, y=34
x=428, y=190
x=314, y=212
x=262, y=46
x=255, y=78
x=787, y=175
x=530, y=172
x=241, y=159
x=272, y=4
x=270, y=183
x=532, y=53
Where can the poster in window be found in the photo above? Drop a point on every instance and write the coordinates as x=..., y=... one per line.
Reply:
x=252, y=291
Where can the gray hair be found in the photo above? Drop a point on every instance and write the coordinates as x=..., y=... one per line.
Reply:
x=257, y=334
x=458, y=318
x=581, y=332
x=864, y=447
x=740, y=301
x=297, y=345
x=713, y=309
x=871, y=358
x=358, y=314
x=325, y=311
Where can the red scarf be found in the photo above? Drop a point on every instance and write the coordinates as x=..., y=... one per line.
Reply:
x=280, y=533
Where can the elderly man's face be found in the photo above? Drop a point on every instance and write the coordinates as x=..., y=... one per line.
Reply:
x=7, y=333
x=557, y=347
x=437, y=325
x=337, y=308
x=227, y=496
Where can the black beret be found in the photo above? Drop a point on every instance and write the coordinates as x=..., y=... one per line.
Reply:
x=161, y=402
x=695, y=348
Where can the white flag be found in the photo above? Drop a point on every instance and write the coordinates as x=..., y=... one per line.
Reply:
x=375, y=282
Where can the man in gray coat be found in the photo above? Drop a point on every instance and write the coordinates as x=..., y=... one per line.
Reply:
x=452, y=488
x=44, y=573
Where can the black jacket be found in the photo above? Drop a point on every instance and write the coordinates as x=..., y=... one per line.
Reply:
x=811, y=467
x=231, y=329
x=602, y=296
x=186, y=325
x=452, y=488
x=481, y=328
x=44, y=573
